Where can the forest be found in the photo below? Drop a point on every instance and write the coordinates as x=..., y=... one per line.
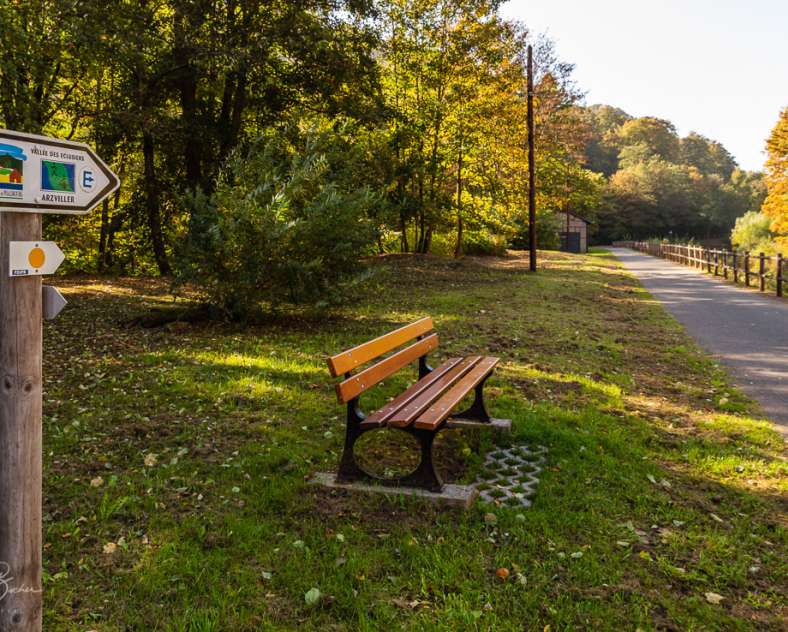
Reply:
x=319, y=131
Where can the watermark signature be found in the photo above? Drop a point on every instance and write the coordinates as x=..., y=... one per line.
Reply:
x=6, y=580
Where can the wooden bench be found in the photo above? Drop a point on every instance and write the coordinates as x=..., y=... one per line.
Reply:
x=423, y=410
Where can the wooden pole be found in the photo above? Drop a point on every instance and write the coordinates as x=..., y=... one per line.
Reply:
x=761, y=272
x=531, y=165
x=747, y=268
x=20, y=434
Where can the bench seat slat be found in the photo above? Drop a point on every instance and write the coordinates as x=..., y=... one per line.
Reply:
x=382, y=415
x=408, y=413
x=443, y=407
x=357, y=384
x=363, y=353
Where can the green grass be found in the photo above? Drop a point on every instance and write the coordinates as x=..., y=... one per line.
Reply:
x=220, y=531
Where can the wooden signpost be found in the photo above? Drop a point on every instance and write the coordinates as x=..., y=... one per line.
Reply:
x=37, y=175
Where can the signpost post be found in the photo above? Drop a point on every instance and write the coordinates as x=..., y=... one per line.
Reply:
x=37, y=175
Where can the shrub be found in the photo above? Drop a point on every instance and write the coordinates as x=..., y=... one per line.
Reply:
x=482, y=243
x=281, y=227
x=752, y=232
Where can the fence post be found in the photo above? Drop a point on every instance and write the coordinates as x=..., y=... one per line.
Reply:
x=747, y=268
x=735, y=267
x=725, y=264
x=716, y=263
x=779, y=275
x=761, y=272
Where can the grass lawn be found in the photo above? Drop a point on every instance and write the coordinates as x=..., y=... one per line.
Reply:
x=176, y=460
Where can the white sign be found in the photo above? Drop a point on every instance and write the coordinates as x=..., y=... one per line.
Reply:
x=33, y=257
x=39, y=174
x=52, y=302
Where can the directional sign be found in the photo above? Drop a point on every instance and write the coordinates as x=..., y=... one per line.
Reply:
x=33, y=257
x=52, y=302
x=39, y=174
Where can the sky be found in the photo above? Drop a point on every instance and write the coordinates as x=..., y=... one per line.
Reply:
x=716, y=67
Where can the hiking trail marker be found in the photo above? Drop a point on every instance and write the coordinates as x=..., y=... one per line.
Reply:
x=33, y=257
x=37, y=175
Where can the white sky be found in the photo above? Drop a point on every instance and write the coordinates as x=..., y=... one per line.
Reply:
x=717, y=67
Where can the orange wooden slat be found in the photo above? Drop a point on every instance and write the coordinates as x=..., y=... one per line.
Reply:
x=350, y=359
x=357, y=384
x=442, y=408
x=408, y=413
x=383, y=414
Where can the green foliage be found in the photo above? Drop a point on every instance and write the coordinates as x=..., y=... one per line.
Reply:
x=752, y=233
x=661, y=185
x=283, y=226
x=483, y=243
x=657, y=136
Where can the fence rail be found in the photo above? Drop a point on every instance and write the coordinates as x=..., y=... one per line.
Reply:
x=761, y=271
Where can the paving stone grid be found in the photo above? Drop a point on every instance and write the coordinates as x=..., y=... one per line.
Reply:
x=510, y=475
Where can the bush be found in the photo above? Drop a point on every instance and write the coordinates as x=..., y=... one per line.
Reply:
x=482, y=243
x=282, y=227
x=752, y=232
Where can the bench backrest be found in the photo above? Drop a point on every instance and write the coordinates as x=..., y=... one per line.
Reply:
x=346, y=361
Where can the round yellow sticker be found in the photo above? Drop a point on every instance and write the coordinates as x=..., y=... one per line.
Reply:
x=36, y=257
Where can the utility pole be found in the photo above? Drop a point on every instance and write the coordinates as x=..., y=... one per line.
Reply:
x=531, y=166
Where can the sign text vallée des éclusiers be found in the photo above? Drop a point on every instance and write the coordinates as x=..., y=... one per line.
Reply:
x=39, y=174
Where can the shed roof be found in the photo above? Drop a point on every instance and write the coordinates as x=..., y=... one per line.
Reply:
x=576, y=216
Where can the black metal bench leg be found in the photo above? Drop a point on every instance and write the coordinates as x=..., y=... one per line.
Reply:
x=425, y=475
x=349, y=469
x=477, y=410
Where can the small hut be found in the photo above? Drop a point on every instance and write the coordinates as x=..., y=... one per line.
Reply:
x=573, y=233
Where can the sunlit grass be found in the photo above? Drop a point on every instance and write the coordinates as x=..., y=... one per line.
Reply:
x=661, y=484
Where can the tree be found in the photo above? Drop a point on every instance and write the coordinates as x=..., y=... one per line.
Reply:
x=707, y=156
x=657, y=135
x=752, y=233
x=775, y=205
x=602, y=148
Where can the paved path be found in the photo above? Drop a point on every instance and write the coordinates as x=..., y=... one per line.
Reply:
x=745, y=330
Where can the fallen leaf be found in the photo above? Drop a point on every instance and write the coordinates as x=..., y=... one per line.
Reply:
x=150, y=459
x=110, y=548
x=714, y=598
x=502, y=573
x=97, y=482
x=312, y=597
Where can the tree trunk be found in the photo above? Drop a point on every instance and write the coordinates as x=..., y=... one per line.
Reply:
x=458, y=247
x=403, y=226
x=114, y=226
x=102, y=248
x=152, y=205
x=193, y=145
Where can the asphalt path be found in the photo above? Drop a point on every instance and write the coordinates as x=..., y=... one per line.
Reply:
x=743, y=329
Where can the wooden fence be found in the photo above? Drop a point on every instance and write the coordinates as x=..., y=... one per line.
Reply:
x=753, y=270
